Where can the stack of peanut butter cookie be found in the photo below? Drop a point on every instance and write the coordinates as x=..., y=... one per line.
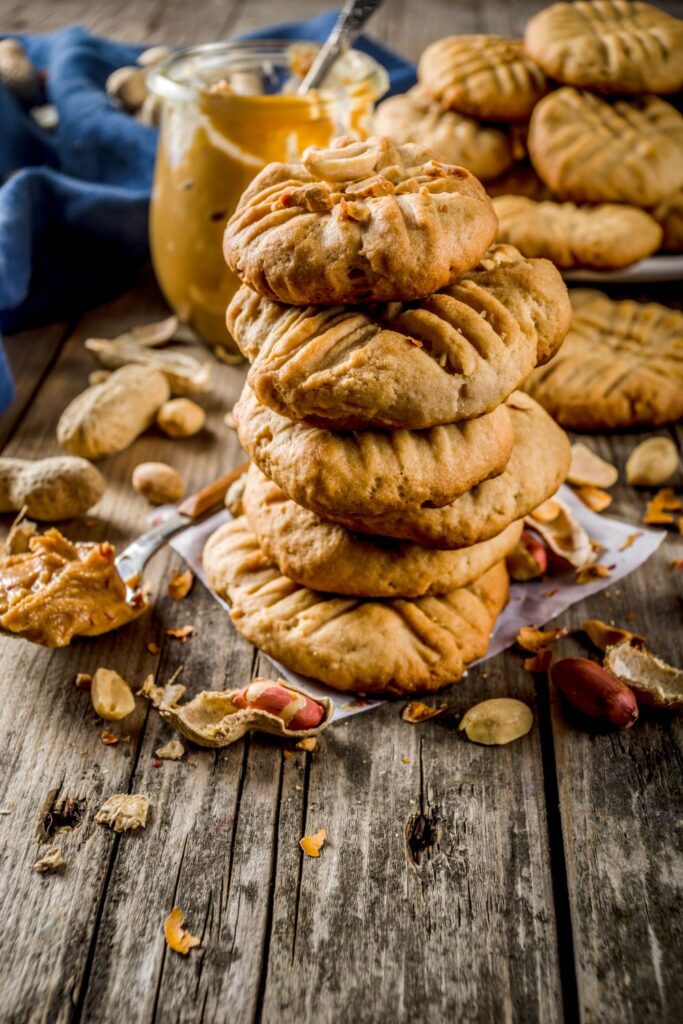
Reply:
x=568, y=128
x=393, y=457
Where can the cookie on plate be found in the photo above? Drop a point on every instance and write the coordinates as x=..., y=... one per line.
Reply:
x=609, y=45
x=591, y=149
x=605, y=237
x=365, y=471
x=359, y=221
x=325, y=556
x=486, y=150
x=382, y=647
x=483, y=76
x=670, y=215
x=538, y=465
x=621, y=366
x=453, y=356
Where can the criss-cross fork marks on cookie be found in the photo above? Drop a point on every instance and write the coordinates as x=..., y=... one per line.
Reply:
x=358, y=222
x=620, y=366
x=388, y=647
x=452, y=356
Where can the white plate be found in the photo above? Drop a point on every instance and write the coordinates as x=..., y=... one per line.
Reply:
x=655, y=268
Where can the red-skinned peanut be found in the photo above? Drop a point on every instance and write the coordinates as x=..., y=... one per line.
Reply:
x=595, y=692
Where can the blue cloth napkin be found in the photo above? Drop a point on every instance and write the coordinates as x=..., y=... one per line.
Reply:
x=74, y=203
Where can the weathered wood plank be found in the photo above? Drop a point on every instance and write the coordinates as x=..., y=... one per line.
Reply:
x=463, y=924
x=365, y=932
x=50, y=736
x=433, y=897
x=621, y=805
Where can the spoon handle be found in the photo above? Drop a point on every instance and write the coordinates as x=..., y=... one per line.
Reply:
x=351, y=20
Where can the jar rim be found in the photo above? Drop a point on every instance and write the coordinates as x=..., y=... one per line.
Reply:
x=166, y=78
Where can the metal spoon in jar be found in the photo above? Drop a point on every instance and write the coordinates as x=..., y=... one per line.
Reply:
x=346, y=29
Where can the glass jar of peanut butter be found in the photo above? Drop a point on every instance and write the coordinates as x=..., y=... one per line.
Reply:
x=229, y=109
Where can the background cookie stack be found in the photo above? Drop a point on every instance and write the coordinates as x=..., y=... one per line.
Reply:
x=393, y=459
x=582, y=93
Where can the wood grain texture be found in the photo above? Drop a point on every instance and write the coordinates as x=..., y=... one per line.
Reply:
x=538, y=882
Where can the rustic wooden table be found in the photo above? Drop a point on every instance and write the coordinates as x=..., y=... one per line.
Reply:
x=536, y=882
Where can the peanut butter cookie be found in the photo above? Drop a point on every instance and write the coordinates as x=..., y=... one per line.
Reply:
x=453, y=356
x=605, y=236
x=538, y=465
x=609, y=45
x=591, y=149
x=366, y=471
x=325, y=556
x=620, y=366
x=360, y=221
x=485, y=150
x=670, y=215
x=486, y=77
x=388, y=647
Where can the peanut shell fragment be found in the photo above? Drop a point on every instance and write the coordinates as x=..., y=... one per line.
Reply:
x=563, y=533
x=313, y=844
x=594, y=498
x=180, y=584
x=602, y=635
x=177, y=937
x=497, y=721
x=124, y=812
x=588, y=469
x=532, y=639
x=417, y=711
x=111, y=696
x=655, y=683
x=171, y=751
x=51, y=860
x=659, y=510
x=652, y=462
x=216, y=718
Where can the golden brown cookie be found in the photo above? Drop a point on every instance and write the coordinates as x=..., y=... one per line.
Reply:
x=364, y=471
x=359, y=221
x=485, y=150
x=670, y=215
x=486, y=77
x=608, y=45
x=453, y=356
x=605, y=236
x=591, y=149
x=538, y=465
x=388, y=647
x=620, y=366
x=325, y=556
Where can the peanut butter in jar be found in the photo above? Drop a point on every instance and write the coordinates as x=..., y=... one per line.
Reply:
x=228, y=110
